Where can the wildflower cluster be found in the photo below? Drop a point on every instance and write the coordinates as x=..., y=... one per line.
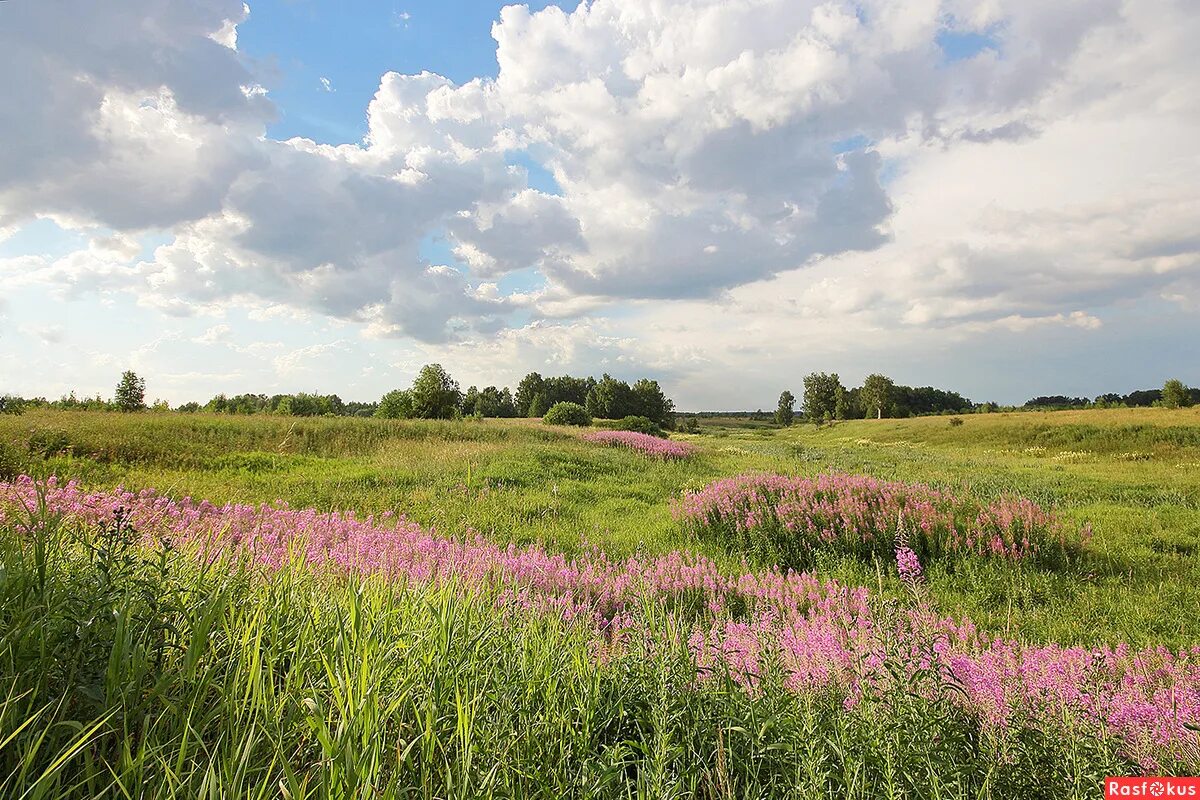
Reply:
x=788, y=520
x=643, y=443
x=823, y=636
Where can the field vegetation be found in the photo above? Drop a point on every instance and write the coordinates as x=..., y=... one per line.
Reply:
x=509, y=608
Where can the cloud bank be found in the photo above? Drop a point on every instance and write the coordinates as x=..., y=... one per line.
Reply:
x=724, y=169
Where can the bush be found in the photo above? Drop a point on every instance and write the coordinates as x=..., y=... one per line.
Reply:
x=640, y=425
x=788, y=520
x=955, y=422
x=567, y=414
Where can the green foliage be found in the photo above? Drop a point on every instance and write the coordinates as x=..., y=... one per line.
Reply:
x=876, y=395
x=12, y=462
x=639, y=425
x=530, y=386
x=538, y=405
x=490, y=402
x=821, y=392
x=309, y=405
x=396, y=404
x=786, y=413
x=435, y=395
x=11, y=405
x=567, y=414
x=131, y=392
x=1175, y=394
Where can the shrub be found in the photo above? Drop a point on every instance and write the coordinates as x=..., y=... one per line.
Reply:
x=788, y=520
x=567, y=414
x=955, y=422
x=640, y=425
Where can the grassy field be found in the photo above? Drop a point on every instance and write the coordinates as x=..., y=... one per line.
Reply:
x=212, y=684
x=1133, y=474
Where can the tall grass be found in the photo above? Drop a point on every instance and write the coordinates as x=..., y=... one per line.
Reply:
x=209, y=649
x=130, y=671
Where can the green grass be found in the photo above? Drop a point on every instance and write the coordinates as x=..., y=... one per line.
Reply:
x=126, y=673
x=519, y=480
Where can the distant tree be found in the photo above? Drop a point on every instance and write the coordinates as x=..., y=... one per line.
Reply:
x=470, y=402
x=612, y=399
x=527, y=389
x=1108, y=399
x=435, y=395
x=649, y=401
x=567, y=413
x=787, y=408
x=396, y=404
x=907, y=401
x=567, y=389
x=508, y=405
x=11, y=405
x=131, y=392
x=1175, y=394
x=877, y=394
x=1143, y=397
x=537, y=406
x=841, y=403
x=189, y=408
x=1057, y=401
x=820, y=396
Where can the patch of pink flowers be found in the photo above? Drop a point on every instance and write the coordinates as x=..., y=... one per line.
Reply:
x=861, y=515
x=824, y=636
x=643, y=443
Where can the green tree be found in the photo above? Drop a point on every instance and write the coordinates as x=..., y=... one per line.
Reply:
x=537, y=406
x=131, y=392
x=1175, y=394
x=649, y=401
x=820, y=396
x=612, y=399
x=10, y=404
x=876, y=394
x=527, y=389
x=396, y=404
x=787, y=408
x=435, y=395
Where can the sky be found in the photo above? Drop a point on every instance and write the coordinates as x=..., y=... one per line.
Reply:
x=999, y=197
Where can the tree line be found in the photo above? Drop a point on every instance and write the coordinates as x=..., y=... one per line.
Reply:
x=826, y=399
x=434, y=394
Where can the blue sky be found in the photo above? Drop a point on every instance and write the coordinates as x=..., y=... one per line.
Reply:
x=352, y=43
x=997, y=199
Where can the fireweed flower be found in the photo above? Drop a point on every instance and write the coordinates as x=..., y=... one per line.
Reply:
x=643, y=443
x=793, y=517
x=824, y=636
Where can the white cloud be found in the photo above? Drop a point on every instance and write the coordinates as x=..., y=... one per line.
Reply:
x=726, y=170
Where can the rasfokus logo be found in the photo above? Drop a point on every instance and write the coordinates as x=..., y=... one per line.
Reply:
x=1151, y=787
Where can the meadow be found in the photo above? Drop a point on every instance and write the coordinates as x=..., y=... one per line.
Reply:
x=546, y=619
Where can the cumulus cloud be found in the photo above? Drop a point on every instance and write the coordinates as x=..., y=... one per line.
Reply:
x=799, y=160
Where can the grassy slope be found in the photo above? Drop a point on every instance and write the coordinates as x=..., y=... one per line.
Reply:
x=1134, y=474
